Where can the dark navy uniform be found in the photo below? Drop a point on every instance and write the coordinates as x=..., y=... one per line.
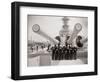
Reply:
x=75, y=53
x=53, y=53
x=56, y=54
x=59, y=53
x=71, y=53
x=66, y=55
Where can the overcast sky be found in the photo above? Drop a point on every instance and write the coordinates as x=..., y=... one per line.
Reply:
x=51, y=25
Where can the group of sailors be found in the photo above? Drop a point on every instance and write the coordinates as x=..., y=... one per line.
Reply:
x=36, y=48
x=64, y=53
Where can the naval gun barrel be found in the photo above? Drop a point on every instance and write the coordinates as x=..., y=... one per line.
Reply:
x=36, y=29
x=76, y=30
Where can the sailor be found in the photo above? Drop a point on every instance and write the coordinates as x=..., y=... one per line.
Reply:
x=59, y=53
x=56, y=54
x=71, y=53
x=42, y=47
x=66, y=55
x=48, y=47
x=37, y=47
x=68, y=52
x=75, y=53
x=53, y=53
x=63, y=53
x=31, y=48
